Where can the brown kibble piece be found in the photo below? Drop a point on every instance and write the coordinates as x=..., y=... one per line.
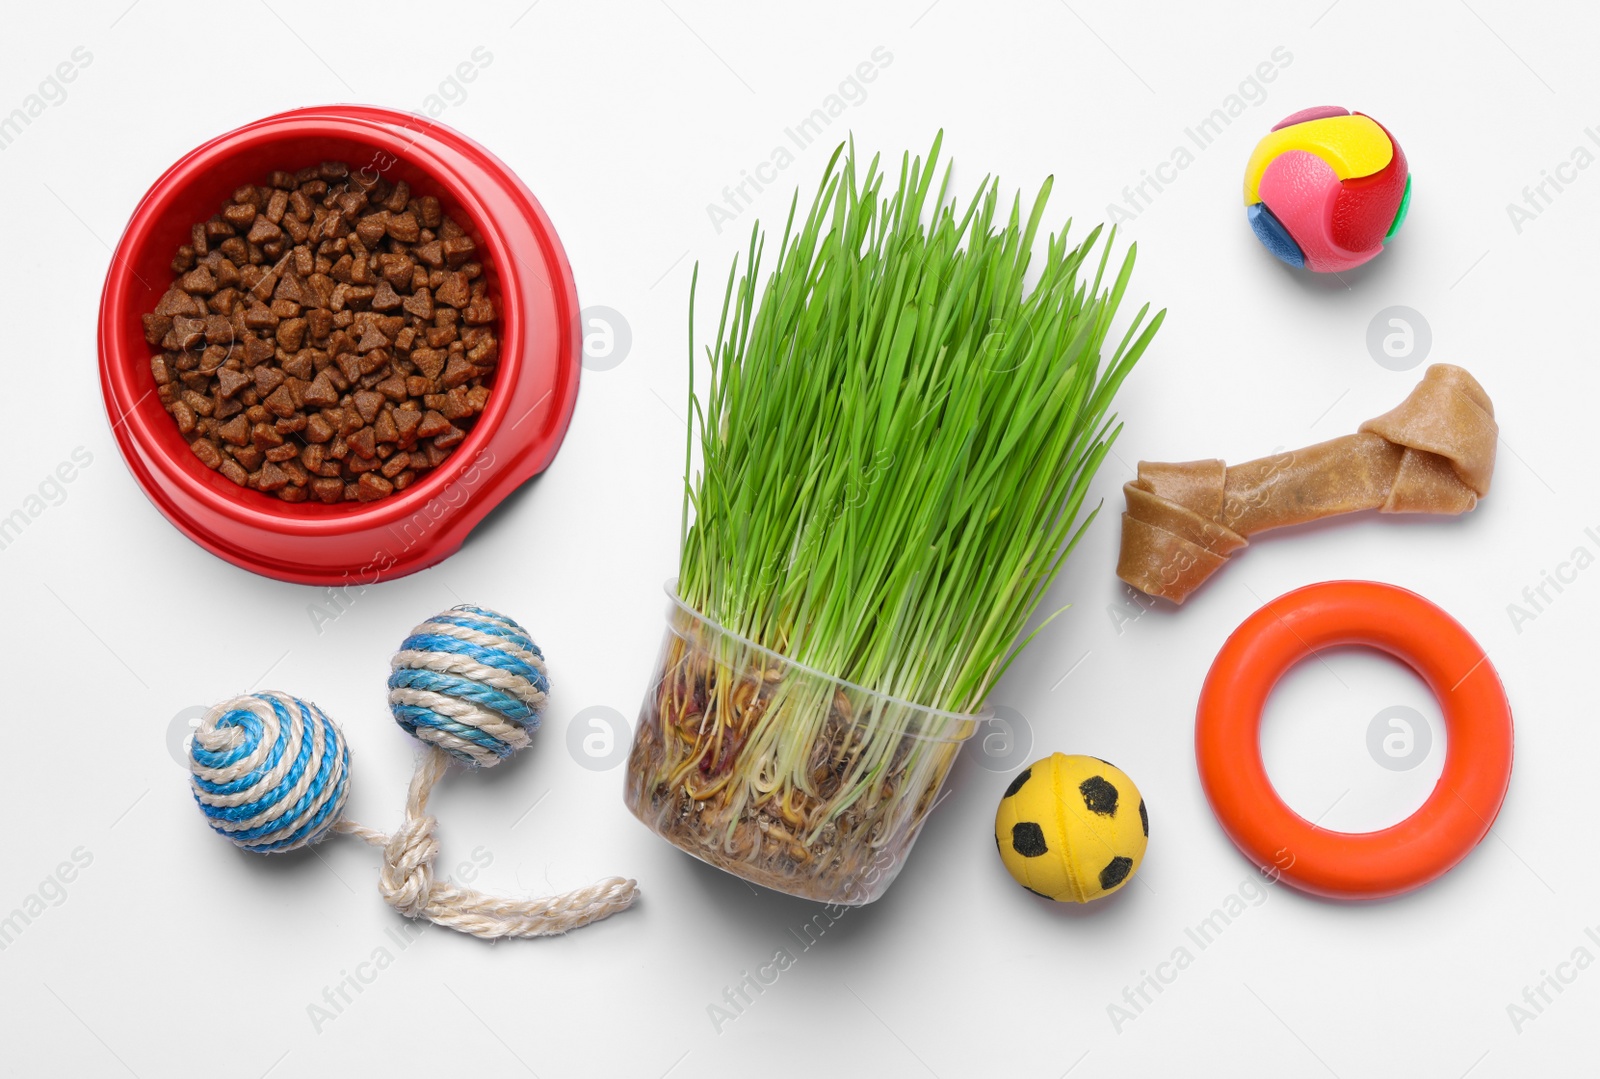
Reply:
x=318, y=430
x=280, y=402
x=436, y=455
x=372, y=227
x=458, y=249
x=187, y=420
x=328, y=490
x=431, y=253
x=432, y=424
x=300, y=365
x=321, y=393
x=291, y=332
x=367, y=404
x=234, y=471
x=199, y=279
x=393, y=387
x=372, y=486
x=156, y=327
x=271, y=477
x=265, y=436
x=420, y=304
x=268, y=379
x=480, y=311
x=202, y=405
x=207, y=451
x=385, y=298
x=453, y=291
x=404, y=228
x=349, y=365
x=185, y=333
x=235, y=431
x=177, y=302
x=257, y=350
x=258, y=316
x=264, y=231
x=458, y=372
x=455, y=404
x=240, y=214
x=406, y=422
x=291, y=289
x=230, y=382
x=364, y=442
x=429, y=361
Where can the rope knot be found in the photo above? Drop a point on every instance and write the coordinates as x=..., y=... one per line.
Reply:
x=406, y=881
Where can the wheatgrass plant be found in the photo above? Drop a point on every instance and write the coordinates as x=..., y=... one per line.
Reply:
x=894, y=452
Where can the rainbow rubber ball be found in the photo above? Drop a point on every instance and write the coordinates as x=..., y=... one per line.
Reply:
x=1326, y=189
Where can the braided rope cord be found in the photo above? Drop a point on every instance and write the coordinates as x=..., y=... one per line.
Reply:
x=407, y=881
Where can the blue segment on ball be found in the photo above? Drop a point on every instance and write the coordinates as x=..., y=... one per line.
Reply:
x=270, y=772
x=1273, y=236
x=471, y=682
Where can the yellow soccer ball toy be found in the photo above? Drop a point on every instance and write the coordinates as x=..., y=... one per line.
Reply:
x=1071, y=828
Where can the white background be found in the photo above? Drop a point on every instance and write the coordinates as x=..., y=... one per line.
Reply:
x=172, y=954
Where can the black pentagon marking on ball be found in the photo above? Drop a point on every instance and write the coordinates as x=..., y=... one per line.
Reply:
x=1027, y=839
x=1016, y=784
x=1115, y=872
x=1099, y=796
x=1041, y=895
x=1144, y=819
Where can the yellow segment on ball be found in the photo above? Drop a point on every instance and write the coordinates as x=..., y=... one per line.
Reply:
x=1071, y=828
x=1351, y=145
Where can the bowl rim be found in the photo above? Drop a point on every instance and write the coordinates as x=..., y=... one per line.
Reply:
x=425, y=147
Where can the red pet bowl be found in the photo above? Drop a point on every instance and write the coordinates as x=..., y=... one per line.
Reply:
x=533, y=393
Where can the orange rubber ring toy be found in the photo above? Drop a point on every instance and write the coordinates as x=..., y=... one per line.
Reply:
x=1354, y=865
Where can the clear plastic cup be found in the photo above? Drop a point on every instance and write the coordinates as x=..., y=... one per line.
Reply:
x=779, y=773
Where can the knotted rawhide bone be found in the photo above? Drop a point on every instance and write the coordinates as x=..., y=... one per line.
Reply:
x=1433, y=453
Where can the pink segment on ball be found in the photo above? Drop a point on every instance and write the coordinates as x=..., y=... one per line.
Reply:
x=1315, y=112
x=1300, y=189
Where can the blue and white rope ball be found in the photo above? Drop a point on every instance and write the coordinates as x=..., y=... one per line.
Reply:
x=470, y=681
x=270, y=771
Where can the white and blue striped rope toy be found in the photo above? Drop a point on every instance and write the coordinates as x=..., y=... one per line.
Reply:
x=471, y=682
x=271, y=772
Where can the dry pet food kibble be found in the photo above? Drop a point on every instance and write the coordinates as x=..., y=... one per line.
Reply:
x=327, y=336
